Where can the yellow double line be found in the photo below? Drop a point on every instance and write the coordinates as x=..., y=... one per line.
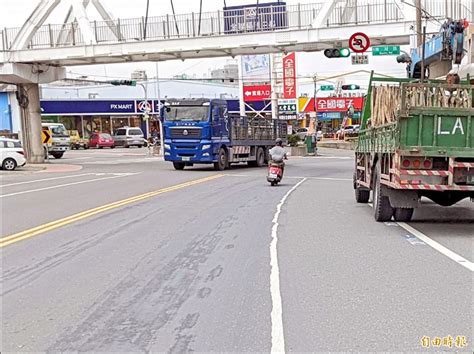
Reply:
x=23, y=235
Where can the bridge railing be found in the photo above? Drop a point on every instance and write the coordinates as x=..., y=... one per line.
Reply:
x=456, y=9
x=231, y=20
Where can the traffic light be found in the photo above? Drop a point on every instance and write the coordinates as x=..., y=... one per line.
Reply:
x=123, y=82
x=337, y=52
x=350, y=87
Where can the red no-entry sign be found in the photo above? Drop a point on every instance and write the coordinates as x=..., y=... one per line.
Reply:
x=359, y=42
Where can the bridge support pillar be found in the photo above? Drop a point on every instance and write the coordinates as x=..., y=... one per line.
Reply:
x=29, y=101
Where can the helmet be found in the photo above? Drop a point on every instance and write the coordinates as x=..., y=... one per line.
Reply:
x=279, y=142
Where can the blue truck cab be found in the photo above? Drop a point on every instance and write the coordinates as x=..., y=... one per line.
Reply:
x=200, y=131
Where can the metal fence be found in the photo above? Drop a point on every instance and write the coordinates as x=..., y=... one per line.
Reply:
x=228, y=21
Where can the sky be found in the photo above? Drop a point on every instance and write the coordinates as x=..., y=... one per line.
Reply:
x=15, y=12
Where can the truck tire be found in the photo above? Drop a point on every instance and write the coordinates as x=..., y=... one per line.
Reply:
x=403, y=214
x=362, y=195
x=221, y=163
x=260, y=157
x=57, y=155
x=178, y=165
x=383, y=211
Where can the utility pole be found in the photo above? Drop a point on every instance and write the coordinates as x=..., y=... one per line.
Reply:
x=315, y=80
x=418, y=23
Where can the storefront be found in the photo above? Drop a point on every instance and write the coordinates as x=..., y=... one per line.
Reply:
x=88, y=116
x=332, y=110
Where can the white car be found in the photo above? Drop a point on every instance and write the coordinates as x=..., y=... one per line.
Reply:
x=12, y=154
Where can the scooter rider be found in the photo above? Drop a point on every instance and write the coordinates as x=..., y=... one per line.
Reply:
x=278, y=154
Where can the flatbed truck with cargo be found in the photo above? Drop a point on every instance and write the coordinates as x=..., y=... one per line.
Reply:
x=200, y=131
x=416, y=140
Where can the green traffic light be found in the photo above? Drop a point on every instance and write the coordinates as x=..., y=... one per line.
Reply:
x=344, y=52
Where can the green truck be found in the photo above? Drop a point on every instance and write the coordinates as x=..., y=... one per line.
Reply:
x=416, y=140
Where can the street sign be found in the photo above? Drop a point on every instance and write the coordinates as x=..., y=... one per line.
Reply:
x=359, y=42
x=288, y=106
x=257, y=92
x=327, y=87
x=46, y=136
x=360, y=59
x=386, y=50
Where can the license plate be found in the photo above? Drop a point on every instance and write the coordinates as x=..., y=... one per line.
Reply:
x=272, y=175
x=186, y=158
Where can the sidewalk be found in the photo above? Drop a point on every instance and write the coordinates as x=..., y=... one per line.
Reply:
x=337, y=144
x=44, y=168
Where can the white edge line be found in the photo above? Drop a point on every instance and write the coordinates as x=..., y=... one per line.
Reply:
x=278, y=338
x=46, y=179
x=62, y=185
x=438, y=247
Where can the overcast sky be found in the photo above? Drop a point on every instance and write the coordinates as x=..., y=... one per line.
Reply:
x=14, y=13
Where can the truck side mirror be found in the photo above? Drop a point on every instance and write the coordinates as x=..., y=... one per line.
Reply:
x=168, y=109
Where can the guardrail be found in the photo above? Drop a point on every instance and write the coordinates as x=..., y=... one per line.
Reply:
x=230, y=20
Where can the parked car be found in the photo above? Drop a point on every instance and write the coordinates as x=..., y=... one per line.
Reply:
x=302, y=133
x=100, y=140
x=348, y=129
x=12, y=154
x=128, y=136
x=76, y=141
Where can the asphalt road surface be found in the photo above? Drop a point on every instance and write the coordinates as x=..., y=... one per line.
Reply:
x=115, y=251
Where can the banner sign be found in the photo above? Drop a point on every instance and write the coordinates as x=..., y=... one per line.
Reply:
x=289, y=76
x=255, y=17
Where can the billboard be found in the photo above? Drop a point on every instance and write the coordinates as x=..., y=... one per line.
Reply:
x=255, y=18
x=256, y=67
x=289, y=76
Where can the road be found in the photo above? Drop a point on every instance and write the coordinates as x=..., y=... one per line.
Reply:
x=122, y=253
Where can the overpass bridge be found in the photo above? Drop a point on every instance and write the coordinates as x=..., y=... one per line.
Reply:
x=37, y=52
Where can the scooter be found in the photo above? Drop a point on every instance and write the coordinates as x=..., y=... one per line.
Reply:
x=275, y=173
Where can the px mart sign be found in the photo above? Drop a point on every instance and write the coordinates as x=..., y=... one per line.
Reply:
x=257, y=92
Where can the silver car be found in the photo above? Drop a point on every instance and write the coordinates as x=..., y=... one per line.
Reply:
x=128, y=136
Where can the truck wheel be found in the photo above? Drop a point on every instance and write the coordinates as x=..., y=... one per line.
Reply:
x=362, y=195
x=260, y=157
x=178, y=166
x=383, y=211
x=57, y=155
x=221, y=163
x=403, y=214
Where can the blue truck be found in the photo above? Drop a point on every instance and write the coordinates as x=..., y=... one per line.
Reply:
x=201, y=131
